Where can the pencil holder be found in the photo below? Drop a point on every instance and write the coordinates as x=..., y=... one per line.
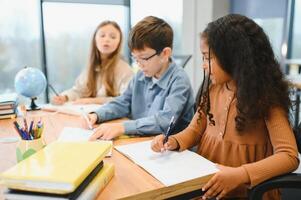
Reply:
x=26, y=148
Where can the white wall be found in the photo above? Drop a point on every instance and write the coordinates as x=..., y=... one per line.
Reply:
x=196, y=15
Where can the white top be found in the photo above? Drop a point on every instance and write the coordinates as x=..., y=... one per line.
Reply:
x=123, y=74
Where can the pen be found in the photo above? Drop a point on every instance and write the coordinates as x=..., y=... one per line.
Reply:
x=86, y=118
x=30, y=129
x=25, y=124
x=53, y=90
x=168, y=130
x=17, y=128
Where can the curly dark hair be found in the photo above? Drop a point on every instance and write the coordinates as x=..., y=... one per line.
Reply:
x=243, y=51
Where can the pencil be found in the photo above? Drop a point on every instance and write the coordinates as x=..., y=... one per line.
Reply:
x=53, y=90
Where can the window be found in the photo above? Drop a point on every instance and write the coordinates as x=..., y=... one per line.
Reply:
x=69, y=28
x=273, y=27
x=19, y=40
x=271, y=20
x=296, y=35
x=162, y=9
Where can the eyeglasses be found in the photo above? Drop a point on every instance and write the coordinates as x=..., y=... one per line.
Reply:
x=144, y=60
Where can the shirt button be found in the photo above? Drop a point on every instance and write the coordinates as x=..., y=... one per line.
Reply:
x=220, y=133
x=148, y=105
x=226, y=108
x=229, y=97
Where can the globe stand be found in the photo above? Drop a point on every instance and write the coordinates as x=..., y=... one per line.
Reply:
x=33, y=105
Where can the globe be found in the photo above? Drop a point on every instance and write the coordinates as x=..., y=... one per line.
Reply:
x=30, y=82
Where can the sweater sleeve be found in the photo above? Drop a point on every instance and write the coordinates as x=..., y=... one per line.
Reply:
x=285, y=156
x=79, y=89
x=190, y=136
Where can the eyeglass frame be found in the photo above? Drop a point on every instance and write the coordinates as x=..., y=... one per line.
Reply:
x=138, y=60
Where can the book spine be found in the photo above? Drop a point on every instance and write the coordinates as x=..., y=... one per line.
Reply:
x=98, y=183
x=8, y=116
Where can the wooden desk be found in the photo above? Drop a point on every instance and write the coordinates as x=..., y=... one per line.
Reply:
x=129, y=182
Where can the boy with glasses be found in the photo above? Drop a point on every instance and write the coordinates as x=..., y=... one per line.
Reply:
x=159, y=92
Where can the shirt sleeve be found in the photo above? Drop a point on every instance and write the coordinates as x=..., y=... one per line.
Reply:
x=174, y=105
x=79, y=89
x=285, y=157
x=117, y=108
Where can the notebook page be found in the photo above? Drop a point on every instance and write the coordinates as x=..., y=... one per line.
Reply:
x=79, y=134
x=70, y=108
x=169, y=167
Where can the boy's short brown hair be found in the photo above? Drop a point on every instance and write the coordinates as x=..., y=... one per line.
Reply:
x=151, y=32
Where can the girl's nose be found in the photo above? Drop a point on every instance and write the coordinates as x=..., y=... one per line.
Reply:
x=106, y=38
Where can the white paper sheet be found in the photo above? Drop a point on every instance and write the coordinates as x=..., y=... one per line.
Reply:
x=79, y=134
x=169, y=167
x=71, y=109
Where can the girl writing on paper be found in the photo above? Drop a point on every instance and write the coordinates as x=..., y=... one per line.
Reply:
x=242, y=118
x=106, y=76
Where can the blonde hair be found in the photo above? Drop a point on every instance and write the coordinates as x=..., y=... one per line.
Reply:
x=106, y=71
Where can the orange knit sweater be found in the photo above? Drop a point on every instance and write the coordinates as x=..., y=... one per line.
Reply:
x=265, y=150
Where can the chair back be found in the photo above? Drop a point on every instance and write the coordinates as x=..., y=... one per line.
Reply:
x=297, y=133
x=181, y=60
x=289, y=183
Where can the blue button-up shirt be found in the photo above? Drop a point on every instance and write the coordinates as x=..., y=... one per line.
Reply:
x=151, y=104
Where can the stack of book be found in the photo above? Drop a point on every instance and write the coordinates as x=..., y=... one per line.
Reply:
x=62, y=170
x=8, y=104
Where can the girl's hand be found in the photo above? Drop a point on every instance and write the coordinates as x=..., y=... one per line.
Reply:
x=158, y=146
x=224, y=181
x=59, y=100
x=84, y=101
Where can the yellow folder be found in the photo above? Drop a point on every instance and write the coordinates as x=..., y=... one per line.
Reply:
x=58, y=168
x=89, y=192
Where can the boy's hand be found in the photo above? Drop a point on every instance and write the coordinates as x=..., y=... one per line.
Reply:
x=59, y=100
x=224, y=181
x=158, y=146
x=92, y=119
x=107, y=131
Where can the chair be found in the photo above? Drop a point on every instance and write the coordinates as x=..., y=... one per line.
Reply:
x=181, y=60
x=290, y=184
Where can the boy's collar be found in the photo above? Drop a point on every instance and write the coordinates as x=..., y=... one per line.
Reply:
x=164, y=79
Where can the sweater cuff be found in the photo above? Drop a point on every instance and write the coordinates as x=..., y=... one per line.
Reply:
x=130, y=127
x=98, y=120
x=181, y=147
x=69, y=95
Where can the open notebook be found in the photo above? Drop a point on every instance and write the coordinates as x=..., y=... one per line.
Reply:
x=70, y=108
x=169, y=167
x=78, y=134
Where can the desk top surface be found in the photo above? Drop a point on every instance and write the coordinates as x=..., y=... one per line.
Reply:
x=129, y=182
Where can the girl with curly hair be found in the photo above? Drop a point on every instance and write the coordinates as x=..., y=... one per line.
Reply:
x=241, y=121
